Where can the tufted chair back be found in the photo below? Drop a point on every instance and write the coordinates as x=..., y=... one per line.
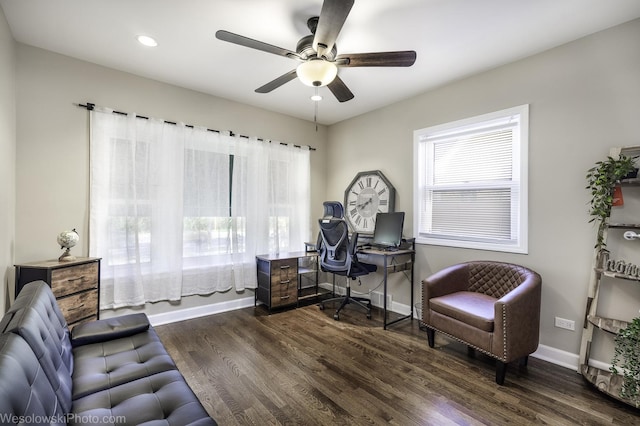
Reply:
x=495, y=279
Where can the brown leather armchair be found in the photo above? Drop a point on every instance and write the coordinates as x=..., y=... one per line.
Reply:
x=492, y=307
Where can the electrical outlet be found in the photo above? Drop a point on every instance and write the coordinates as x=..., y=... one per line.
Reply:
x=565, y=323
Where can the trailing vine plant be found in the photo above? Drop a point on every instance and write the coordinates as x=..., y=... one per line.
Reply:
x=601, y=180
x=627, y=358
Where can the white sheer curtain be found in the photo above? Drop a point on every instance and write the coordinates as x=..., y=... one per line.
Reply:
x=207, y=225
x=176, y=210
x=271, y=185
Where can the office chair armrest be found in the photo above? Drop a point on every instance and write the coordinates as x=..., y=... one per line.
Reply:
x=354, y=264
x=353, y=244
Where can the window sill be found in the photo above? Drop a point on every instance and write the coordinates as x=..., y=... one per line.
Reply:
x=474, y=245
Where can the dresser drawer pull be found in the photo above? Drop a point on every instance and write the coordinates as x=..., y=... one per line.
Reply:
x=75, y=308
x=285, y=282
x=76, y=279
x=285, y=297
x=285, y=267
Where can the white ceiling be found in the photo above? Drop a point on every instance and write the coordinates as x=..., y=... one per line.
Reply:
x=452, y=38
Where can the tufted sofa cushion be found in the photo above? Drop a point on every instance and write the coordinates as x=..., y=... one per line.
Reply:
x=25, y=390
x=38, y=320
x=162, y=398
x=102, y=365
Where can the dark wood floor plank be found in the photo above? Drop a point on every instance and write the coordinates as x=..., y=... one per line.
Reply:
x=300, y=367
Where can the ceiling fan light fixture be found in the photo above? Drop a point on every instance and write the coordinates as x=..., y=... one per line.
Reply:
x=317, y=72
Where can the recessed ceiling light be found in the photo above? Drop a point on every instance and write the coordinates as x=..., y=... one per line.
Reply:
x=147, y=41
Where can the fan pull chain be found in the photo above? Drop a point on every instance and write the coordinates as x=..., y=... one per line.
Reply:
x=315, y=116
x=315, y=109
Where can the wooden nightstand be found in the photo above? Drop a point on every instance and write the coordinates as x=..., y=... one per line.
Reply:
x=76, y=285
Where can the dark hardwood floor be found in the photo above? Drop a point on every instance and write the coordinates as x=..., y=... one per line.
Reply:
x=300, y=367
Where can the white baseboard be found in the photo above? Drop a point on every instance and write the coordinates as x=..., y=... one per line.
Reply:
x=200, y=311
x=375, y=296
x=602, y=365
x=545, y=353
x=557, y=356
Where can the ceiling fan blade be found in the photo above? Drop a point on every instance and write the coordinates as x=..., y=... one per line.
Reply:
x=255, y=44
x=404, y=58
x=340, y=90
x=274, y=84
x=332, y=17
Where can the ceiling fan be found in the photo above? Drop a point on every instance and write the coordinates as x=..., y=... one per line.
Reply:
x=317, y=53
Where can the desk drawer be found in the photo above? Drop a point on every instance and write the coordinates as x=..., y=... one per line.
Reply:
x=284, y=293
x=283, y=271
x=74, y=279
x=284, y=282
x=79, y=306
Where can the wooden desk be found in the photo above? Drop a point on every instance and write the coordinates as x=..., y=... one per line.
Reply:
x=393, y=262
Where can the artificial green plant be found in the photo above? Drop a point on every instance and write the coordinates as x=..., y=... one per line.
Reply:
x=627, y=359
x=601, y=180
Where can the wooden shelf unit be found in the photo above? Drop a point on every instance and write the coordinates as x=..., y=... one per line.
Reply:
x=604, y=380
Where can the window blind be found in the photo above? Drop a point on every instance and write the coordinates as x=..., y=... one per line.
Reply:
x=470, y=183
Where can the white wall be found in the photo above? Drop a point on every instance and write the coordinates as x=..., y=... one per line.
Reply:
x=584, y=97
x=53, y=139
x=7, y=160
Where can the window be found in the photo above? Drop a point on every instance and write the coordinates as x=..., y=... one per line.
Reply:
x=207, y=220
x=470, y=182
x=177, y=210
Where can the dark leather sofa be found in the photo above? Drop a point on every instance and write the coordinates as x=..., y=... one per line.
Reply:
x=108, y=372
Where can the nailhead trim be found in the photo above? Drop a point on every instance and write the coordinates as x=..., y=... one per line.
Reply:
x=504, y=332
x=466, y=343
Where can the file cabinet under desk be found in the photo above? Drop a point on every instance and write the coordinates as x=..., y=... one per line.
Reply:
x=277, y=281
x=75, y=284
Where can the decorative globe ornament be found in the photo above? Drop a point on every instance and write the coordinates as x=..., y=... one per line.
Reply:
x=68, y=239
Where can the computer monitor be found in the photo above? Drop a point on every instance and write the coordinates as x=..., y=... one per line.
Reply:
x=388, y=230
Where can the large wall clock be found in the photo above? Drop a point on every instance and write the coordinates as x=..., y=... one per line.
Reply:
x=368, y=194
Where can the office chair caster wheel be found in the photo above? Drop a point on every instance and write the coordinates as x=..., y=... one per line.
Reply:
x=368, y=316
x=321, y=306
x=336, y=317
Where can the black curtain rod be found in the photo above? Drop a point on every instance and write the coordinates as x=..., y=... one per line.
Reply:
x=89, y=106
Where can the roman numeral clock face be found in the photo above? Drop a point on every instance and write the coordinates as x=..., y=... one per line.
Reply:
x=368, y=194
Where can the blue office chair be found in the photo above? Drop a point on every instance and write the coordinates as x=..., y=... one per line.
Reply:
x=337, y=254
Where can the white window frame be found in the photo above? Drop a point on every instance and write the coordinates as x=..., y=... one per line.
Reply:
x=423, y=144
